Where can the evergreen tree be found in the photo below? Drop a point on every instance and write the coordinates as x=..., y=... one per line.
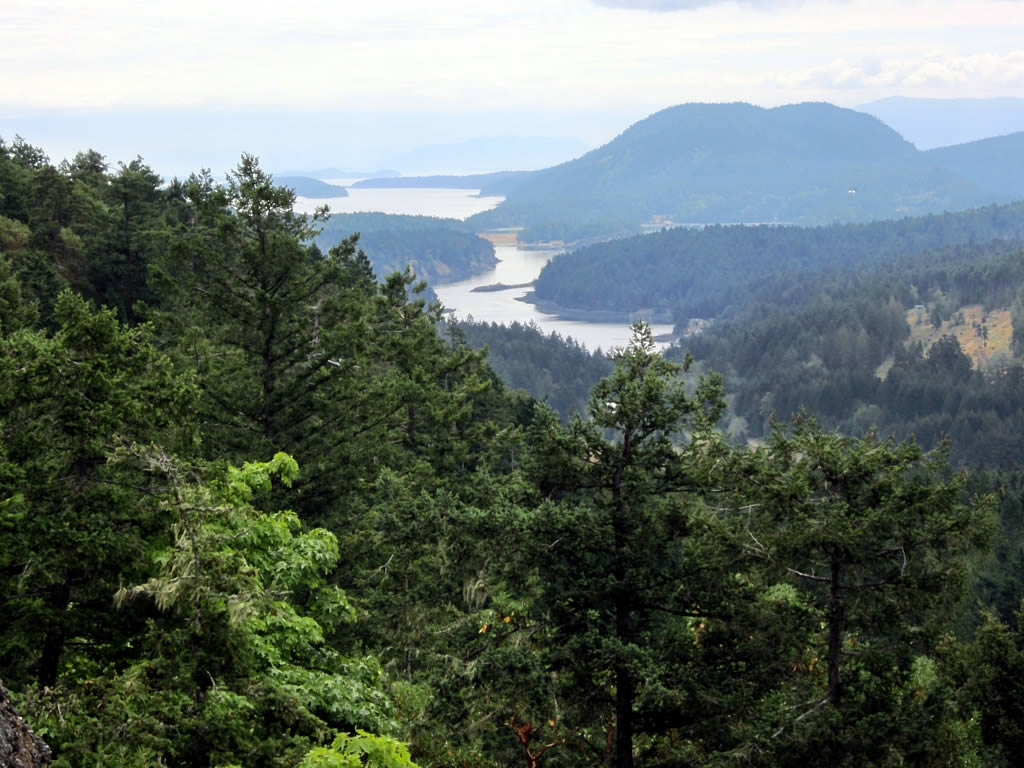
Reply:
x=620, y=565
x=875, y=536
x=74, y=525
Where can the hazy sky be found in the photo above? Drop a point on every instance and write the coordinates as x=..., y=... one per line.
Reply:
x=622, y=57
x=485, y=53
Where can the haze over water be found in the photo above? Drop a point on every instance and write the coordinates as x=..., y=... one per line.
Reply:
x=446, y=203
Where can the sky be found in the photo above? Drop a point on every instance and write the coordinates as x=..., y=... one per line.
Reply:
x=397, y=73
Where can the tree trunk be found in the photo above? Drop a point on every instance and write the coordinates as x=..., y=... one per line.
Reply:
x=624, y=683
x=836, y=609
x=623, y=716
x=53, y=643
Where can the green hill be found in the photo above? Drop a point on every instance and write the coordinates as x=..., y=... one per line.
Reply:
x=304, y=186
x=987, y=163
x=711, y=271
x=439, y=250
x=720, y=163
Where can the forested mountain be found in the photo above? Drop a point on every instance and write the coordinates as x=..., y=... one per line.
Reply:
x=817, y=318
x=256, y=510
x=438, y=250
x=557, y=371
x=985, y=163
x=710, y=271
x=843, y=353
x=724, y=163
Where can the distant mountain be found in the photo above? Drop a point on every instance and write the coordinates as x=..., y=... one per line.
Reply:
x=722, y=163
x=338, y=173
x=994, y=164
x=493, y=153
x=930, y=123
x=497, y=183
x=307, y=187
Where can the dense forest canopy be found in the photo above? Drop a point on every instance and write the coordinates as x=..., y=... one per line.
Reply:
x=439, y=250
x=260, y=506
x=714, y=271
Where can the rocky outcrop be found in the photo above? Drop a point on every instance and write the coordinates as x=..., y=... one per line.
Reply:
x=19, y=747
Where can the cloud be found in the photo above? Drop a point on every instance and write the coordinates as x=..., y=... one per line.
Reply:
x=936, y=71
x=667, y=6
x=655, y=5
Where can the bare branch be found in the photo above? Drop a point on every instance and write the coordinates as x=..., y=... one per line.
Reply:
x=817, y=705
x=810, y=576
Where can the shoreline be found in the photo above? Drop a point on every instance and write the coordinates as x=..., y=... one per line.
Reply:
x=494, y=287
x=595, y=315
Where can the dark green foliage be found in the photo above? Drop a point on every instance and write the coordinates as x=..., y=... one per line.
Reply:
x=875, y=537
x=139, y=234
x=245, y=298
x=720, y=271
x=999, y=577
x=15, y=311
x=233, y=668
x=557, y=371
x=491, y=586
x=437, y=250
x=621, y=568
x=987, y=674
x=74, y=526
x=825, y=357
x=88, y=228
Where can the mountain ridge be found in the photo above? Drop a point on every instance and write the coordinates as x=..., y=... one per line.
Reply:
x=810, y=163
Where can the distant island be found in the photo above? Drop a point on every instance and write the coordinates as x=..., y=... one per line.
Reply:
x=438, y=250
x=487, y=153
x=338, y=173
x=497, y=183
x=494, y=287
x=304, y=186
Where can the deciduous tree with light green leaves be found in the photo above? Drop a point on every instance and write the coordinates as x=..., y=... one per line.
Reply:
x=233, y=667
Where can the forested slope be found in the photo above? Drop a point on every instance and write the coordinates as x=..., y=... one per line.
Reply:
x=255, y=510
x=438, y=250
x=725, y=163
x=554, y=369
x=714, y=271
x=986, y=162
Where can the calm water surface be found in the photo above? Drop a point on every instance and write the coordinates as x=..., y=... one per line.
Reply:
x=519, y=265
x=516, y=265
